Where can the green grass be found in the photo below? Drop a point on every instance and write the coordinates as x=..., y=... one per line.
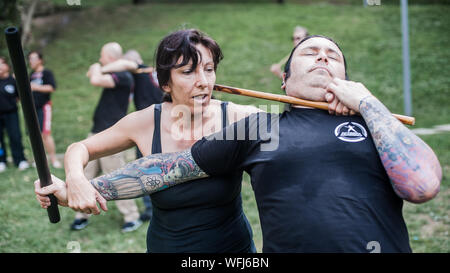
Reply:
x=252, y=37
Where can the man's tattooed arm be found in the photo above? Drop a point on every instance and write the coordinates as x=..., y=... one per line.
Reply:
x=148, y=175
x=412, y=166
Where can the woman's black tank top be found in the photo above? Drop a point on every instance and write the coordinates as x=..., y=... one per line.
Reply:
x=203, y=215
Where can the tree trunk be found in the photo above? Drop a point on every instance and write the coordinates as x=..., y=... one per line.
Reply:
x=26, y=16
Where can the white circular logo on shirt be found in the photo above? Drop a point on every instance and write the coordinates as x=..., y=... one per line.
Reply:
x=350, y=132
x=10, y=88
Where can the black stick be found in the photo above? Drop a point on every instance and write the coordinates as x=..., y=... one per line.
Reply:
x=29, y=113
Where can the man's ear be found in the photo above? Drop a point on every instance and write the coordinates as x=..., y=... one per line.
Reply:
x=283, y=84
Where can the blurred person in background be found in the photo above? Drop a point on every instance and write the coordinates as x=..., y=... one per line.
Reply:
x=146, y=92
x=113, y=106
x=43, y=84
x=298, y=35
x=9, y=119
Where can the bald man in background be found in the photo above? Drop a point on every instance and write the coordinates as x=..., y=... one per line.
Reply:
x=113, y=105
x=146, y=87
x=146, y=93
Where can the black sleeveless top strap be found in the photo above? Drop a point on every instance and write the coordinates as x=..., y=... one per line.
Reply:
x=156, y=144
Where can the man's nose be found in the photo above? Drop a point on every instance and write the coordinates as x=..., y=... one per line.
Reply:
x=322, y=57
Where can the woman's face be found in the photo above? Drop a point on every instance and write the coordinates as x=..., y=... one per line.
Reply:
x=193, y=88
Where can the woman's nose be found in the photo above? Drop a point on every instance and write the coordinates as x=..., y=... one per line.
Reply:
x=201, y=79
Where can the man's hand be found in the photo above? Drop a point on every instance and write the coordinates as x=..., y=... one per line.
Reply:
x=276, y=70
x=45, y=88
x=34, y=87
x=57, y=188
x=82, y=196
x=335, y=107
x=94, y=68
x=350, y=94
x=143, y=70
x=98, y=79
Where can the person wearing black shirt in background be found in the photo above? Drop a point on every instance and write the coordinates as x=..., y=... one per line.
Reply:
x=9, y=119
x=43, y=85
x=113, y=106
x=146, y=92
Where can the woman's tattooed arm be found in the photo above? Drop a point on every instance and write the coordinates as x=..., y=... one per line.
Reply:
x=148, y=175
x=412, y=166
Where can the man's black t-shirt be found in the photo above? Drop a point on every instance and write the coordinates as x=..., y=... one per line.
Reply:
x=42, y=78
x=146, y=91
x=8, y=95
x=113, y=104
x=319, y=184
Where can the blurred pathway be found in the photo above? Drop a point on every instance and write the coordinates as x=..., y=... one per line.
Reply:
x=431, y=131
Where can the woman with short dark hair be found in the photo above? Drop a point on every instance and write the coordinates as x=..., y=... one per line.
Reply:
x=191, y=217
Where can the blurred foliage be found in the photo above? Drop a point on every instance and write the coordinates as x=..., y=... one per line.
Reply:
x=9, y=16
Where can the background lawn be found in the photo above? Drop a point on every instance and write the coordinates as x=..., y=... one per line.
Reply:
x=252, y=37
